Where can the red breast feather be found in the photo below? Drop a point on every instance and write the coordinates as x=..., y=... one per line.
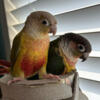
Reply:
x=30, y=67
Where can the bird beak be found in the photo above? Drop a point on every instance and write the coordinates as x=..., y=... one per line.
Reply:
x=53, y=29
x=84, y=56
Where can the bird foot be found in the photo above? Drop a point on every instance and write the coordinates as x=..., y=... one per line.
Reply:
x=14, y=80
x=66, y=81
x=51, y=76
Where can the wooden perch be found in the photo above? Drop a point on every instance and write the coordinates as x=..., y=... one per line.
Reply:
x=42, y=89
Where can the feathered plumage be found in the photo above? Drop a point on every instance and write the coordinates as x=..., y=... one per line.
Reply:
x=30, y=47
x=65, y=51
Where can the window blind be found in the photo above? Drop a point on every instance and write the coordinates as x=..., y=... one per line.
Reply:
x=81, y=16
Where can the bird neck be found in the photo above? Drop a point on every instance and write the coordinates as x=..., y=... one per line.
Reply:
x=69, y=60
x=34, y=33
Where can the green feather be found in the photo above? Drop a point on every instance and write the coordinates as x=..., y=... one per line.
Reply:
x=15, y=49
x=55, y=63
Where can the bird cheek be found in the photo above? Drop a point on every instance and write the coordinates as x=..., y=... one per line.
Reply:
x=44, y=30
x=77, y=54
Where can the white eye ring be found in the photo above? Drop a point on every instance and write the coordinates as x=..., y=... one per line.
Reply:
x=81, y=48
x=45, y=22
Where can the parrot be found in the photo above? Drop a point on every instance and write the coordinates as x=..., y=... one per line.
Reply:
x=65, y=51
x=29, y=51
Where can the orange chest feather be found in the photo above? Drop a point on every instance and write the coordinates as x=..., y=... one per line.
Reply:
x=34, y=54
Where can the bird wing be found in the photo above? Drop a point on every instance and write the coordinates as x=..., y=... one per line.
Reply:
x=15, y=49
x=55, y=63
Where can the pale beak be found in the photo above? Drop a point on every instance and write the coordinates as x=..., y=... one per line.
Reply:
x=53, y=29
x=84, y=56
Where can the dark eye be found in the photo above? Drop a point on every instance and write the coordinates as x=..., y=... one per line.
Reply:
x=45, y=22
x=81, y=48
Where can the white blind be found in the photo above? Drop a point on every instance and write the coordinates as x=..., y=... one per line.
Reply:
x=80, y=16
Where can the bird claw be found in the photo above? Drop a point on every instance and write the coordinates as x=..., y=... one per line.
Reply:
x=14, y=80
x=51, y=76
x=66, y=81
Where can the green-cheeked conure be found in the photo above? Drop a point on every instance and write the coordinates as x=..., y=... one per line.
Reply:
x=29, y=51
x=65, y=51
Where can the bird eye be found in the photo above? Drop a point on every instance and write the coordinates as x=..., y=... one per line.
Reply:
x=45, y=22
x=81, y=48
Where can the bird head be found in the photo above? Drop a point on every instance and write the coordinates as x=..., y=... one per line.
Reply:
x=75, y=46
x=40, y=23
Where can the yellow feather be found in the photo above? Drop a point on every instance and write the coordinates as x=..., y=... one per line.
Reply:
x=68, y=66
x=35, y=49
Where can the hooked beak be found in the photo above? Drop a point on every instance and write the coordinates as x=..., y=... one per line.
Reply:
x=84, y=56
x=53, y=29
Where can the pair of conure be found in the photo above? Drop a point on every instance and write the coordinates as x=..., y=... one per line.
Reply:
x=64, y=53
x=32, y=54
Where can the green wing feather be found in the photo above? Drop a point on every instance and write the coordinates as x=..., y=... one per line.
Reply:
x=15, y=49
x=55, y=63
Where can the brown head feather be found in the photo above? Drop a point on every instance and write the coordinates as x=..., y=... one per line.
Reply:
x=34, y=23
x=76, y=45
x=78, y=39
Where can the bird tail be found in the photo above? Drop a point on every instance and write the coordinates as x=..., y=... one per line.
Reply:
x=5, y=67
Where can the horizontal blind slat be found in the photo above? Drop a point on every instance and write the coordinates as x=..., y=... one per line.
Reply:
x=53, y=6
